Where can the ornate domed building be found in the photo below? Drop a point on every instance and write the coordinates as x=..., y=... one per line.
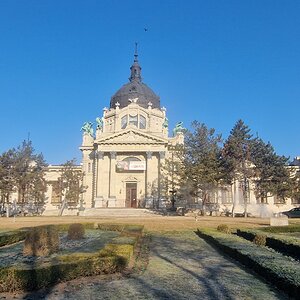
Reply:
x=122, y=162
x=123, y=159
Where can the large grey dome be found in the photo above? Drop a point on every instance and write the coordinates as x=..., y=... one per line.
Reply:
x=135, y=89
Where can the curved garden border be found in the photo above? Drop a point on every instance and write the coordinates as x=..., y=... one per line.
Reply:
x=114, y=257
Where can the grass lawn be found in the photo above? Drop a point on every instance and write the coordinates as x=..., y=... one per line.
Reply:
x=151, y=223
x=181, y=265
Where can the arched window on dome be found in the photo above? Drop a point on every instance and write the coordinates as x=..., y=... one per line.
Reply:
x=133, y=120
x=142, y=123
x=124, y=122
x=138, y=121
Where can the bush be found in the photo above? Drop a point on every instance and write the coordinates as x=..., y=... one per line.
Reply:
x=12, y=237
x=114, y=257
x=273, y=266
x=284, y=244
x=76, y=231
x=41, y=241
x=223, y=228
x=281, y=229
x=260, y=240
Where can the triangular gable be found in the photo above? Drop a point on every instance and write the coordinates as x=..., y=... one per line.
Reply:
x=131, y=136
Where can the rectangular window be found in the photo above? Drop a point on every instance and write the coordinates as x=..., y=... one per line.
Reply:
x=56, y=192
x=296, y=200
x=262, y=200
x=278, y=200
x=226, y=195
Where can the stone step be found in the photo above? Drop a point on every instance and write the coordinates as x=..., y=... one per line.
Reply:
x=117, y=212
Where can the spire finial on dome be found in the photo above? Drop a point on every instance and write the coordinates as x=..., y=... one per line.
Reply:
x=136, y=52
x=135, y=68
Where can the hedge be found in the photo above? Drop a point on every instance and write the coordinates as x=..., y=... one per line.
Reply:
x=114, y=257
x=281, y=229
x=11, y=237
x=274, y=267
x=285, y=245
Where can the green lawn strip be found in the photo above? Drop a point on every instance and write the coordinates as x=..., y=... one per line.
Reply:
x=274, y=267
x=113, y=257
x=284, y=244
x=281, y=229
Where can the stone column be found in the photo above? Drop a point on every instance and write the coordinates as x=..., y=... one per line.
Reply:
x=161, y=161
x=98, y=199
x=88, y=177
x=112, y=175
x=147, y=179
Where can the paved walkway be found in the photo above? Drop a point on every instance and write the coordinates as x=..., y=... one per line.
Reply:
x=181, y=266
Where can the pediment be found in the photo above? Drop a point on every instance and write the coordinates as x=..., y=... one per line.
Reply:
x=131, y=137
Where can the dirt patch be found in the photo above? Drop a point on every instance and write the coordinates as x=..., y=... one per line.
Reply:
x=151, y=223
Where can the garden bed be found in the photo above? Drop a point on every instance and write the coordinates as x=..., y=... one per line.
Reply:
x=287, y=245
x=281, y=271
x=100, y=252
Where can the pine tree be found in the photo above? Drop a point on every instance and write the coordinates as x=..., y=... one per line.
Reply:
x=272, y=175
x=236, y=160
x=172, y=174
x=7, y=179
x=202, y=161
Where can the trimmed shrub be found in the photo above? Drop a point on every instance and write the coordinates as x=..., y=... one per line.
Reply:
x=12, y=237
x=76, y=231
x=110, y=227
x=281, y=243
x=223, y=228
x=273, y=266
x=281, y=229
x=114, y=257
x=260, y=240
x=41, y=241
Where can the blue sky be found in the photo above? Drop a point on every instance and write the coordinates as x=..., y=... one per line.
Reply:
x=211, y=61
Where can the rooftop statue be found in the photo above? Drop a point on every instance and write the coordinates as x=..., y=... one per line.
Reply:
x=179, y=128
x=166, y=123
x=99, y=122
x=87, y=128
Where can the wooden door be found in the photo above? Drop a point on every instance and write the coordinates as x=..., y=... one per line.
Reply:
x=131, y=195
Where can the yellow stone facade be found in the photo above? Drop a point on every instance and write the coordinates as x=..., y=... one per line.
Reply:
x=126, y=141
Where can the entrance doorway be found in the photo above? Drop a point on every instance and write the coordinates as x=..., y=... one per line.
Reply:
x=131, y=200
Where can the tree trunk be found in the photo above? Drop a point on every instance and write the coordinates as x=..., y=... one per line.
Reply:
x=233, y=199
x=245, y=195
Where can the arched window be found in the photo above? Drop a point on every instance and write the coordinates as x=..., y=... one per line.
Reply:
x=124, y=122
x=142, y=124
x=133, y=120
x=137, y=121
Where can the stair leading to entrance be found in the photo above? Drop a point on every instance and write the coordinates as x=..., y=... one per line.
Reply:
x=117, y=212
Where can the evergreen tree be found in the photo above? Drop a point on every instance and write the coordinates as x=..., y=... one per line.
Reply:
x=202, y=161
x=272, y=175
x=7, y=178
x=172, y=174
x=295, y=184
x=236, y=160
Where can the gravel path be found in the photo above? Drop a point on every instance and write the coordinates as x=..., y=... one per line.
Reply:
x=181, y=266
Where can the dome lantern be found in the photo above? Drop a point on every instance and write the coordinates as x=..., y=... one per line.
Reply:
x=135, y=89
